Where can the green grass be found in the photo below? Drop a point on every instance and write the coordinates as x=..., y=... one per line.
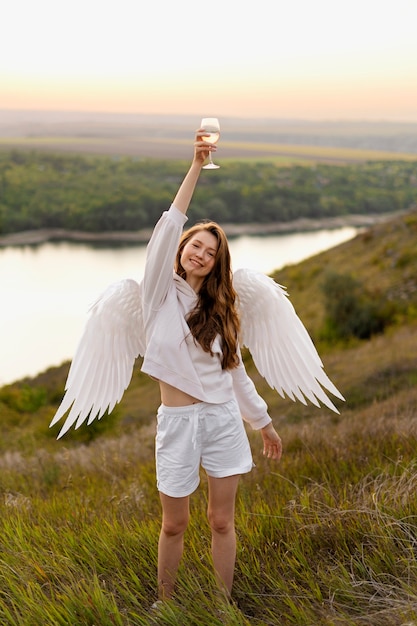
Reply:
x=326, y=537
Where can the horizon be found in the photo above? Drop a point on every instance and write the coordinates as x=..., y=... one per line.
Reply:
x=13, y=115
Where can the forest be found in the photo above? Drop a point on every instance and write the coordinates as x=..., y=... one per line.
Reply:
x=102, y=194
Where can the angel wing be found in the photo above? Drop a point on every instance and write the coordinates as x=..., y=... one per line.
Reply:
x=102, y=367
x=279, y=343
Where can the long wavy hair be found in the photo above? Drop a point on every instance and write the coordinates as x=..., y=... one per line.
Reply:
x=215, y=312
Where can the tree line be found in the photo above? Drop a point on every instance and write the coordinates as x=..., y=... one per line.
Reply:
x=99, y=194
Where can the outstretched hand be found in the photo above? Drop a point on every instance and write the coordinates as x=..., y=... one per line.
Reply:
x=202, y=149
x=272, y=443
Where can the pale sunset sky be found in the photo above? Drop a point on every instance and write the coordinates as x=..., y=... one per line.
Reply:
x=300, y=59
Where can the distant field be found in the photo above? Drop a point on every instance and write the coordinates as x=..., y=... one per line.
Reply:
x=170, y=148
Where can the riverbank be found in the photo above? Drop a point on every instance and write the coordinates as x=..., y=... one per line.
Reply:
x=37, y=237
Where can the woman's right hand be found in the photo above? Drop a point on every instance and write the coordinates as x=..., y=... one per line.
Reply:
x=185, y=192
x=201, y=147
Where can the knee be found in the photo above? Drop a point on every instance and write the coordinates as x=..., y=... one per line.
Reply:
x=220, y=522
x=173, y=527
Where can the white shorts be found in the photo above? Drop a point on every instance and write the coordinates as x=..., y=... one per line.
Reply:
x=211, y=434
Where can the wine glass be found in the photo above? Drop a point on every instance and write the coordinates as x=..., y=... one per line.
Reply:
x=211, y=125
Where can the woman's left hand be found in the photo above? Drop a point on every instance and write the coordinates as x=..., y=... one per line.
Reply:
x=272, y=443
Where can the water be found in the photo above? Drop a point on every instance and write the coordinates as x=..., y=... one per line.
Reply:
x=47, y=289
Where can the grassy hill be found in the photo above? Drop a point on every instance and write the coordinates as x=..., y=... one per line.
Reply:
x=328, y=536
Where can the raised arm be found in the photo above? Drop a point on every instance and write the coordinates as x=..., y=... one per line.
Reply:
x=163, y=245
x=185, y=192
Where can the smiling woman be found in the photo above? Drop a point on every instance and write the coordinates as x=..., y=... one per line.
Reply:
x=186, y=326
x=197, y=253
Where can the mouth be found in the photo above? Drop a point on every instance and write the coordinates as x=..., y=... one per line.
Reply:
x=196, y=263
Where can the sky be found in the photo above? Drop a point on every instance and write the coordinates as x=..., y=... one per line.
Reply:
x=298, y=59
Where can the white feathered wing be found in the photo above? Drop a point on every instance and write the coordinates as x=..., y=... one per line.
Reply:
x=279, y=343
x=114, y=337
x=102, y=367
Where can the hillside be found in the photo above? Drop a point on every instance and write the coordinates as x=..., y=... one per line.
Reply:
x=327, y=537
x=383, y=258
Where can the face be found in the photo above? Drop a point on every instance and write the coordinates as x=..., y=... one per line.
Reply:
x=198, y=257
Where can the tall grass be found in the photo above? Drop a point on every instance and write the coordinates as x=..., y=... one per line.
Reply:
x=328, y=536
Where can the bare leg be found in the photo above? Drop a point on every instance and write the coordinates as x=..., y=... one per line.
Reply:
x=175, y=515
x=221, y=514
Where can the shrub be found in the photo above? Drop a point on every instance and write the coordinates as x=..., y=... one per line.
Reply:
x=24, y=398
x=351, y=311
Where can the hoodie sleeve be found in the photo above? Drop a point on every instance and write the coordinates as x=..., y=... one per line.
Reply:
x=252, y=407
x=160, y=257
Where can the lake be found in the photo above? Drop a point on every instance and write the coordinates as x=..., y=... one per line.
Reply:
x=47, y=289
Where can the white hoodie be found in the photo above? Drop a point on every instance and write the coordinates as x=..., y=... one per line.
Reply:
x=172, y=355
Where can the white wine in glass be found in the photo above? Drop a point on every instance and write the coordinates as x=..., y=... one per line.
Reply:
x=211, y=125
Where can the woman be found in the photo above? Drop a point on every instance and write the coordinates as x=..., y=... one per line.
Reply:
x=191, y=326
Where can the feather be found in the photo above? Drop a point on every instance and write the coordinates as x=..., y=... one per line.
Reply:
x=102, y=367
x=279, y=343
